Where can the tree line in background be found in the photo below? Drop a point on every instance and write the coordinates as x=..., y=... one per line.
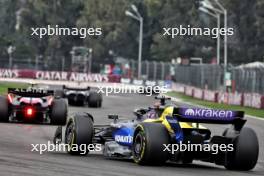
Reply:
x=120, y=33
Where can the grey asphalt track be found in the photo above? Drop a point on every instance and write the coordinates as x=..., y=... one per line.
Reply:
x=16, y=158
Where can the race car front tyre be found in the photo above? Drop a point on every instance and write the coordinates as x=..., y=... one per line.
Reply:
x=245, y=153
x=3, y=109
x=59, y=112
x=149, y=144
x=95, y=100
x=79, y=132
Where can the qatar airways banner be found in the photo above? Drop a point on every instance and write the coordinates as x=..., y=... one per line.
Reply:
x=7, y=73
x=55, y=75
x=71, y=76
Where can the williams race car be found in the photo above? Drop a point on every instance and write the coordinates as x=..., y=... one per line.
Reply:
x=150, y=137
x=81, y=96
x=32, y=105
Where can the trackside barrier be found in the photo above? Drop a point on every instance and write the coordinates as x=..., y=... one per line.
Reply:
x=247, y=100
x=178, y=87
x=257, y=100
x=188, y=91
x=234, y=99
x=262, y=102
x=79, y=79
x=55, y=77
x=210, y=95
x=253, y=100
x=198, y=93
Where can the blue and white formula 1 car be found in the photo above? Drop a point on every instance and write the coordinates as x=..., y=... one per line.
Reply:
x=148, y=139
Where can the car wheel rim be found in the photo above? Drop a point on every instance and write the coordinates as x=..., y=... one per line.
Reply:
x=138, y=146
x=70, y=133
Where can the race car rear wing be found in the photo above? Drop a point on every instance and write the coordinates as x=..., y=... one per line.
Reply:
x=213, y=116
x=31, y=92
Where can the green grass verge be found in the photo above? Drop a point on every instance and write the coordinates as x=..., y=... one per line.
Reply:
x=4, y=86
x=247, y=110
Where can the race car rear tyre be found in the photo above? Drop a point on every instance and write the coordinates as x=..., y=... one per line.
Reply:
x=59, y=112
x=246, y=150
x=79, y=132
x=149, y=144
x=95, y=100
x=4, y=115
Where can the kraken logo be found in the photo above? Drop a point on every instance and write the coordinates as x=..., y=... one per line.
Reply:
x=189, y=112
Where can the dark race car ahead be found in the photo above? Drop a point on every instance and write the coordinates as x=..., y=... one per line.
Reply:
x=81, y=96
x=34, y=106
x=152, y=138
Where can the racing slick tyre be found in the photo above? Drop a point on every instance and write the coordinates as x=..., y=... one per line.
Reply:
x=59, y=112
x=3, y=109
x=79, y=132
x=246, y=150
x=148, y=144
x=95, y=100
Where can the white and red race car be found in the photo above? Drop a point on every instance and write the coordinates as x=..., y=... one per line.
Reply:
x=31, y=105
